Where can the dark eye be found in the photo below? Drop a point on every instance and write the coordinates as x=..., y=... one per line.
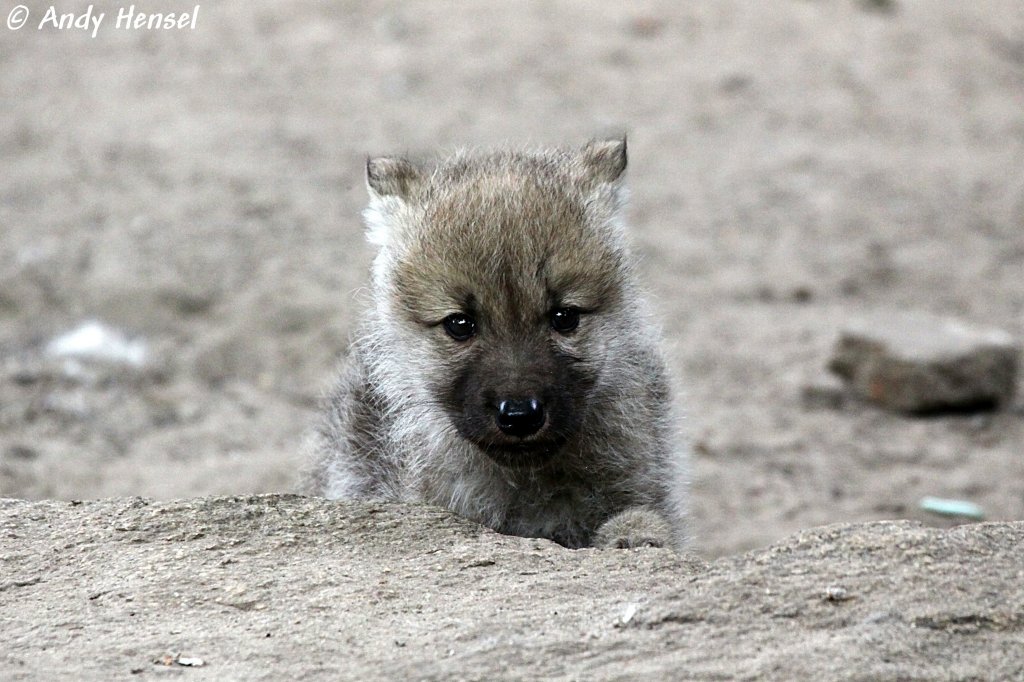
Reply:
x=460, y=326
x=564, y=320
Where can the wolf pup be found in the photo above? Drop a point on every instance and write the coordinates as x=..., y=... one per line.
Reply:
x=507, y=368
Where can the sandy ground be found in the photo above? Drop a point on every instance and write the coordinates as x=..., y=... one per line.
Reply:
x=792, y=163
x=124, y=589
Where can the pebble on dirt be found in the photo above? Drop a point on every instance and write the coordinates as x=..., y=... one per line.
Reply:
x=96, y=341
x=919, y=363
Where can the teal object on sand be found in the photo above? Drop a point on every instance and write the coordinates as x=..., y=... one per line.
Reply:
x=960, y=508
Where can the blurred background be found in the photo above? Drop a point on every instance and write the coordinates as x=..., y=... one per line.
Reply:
x=181, y=252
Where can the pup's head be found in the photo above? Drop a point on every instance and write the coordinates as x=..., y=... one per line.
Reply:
x=503, y=276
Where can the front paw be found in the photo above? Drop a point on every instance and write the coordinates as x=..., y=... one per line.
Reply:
x=634, y=527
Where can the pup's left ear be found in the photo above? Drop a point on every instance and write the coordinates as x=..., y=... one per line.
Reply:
x=604, y=160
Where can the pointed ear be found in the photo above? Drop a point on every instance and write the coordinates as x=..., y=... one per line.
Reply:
x=392, y=183
x=392, y=176
x=604, y=160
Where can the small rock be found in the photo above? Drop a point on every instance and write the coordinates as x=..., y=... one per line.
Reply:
x=479, y=563
x=95, y=341
x=835, y=593
x=626, y=616
x=915, y=362
x=178, y=659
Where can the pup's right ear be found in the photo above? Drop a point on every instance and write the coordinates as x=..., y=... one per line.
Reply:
x=392, y=183
x=389, y=176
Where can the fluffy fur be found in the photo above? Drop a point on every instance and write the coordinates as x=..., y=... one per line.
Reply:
x=508, y=238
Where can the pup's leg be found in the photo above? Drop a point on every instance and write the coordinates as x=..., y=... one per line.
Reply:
x=634, y=527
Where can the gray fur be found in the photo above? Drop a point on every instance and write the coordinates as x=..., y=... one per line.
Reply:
x=511, y=232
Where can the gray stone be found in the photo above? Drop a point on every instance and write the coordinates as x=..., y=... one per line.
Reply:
x=284, y=587
x=918, y=363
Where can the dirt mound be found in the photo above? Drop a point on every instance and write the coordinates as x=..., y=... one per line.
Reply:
x=284, y=587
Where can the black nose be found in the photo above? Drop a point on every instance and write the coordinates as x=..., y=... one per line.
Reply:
x=520, y=417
